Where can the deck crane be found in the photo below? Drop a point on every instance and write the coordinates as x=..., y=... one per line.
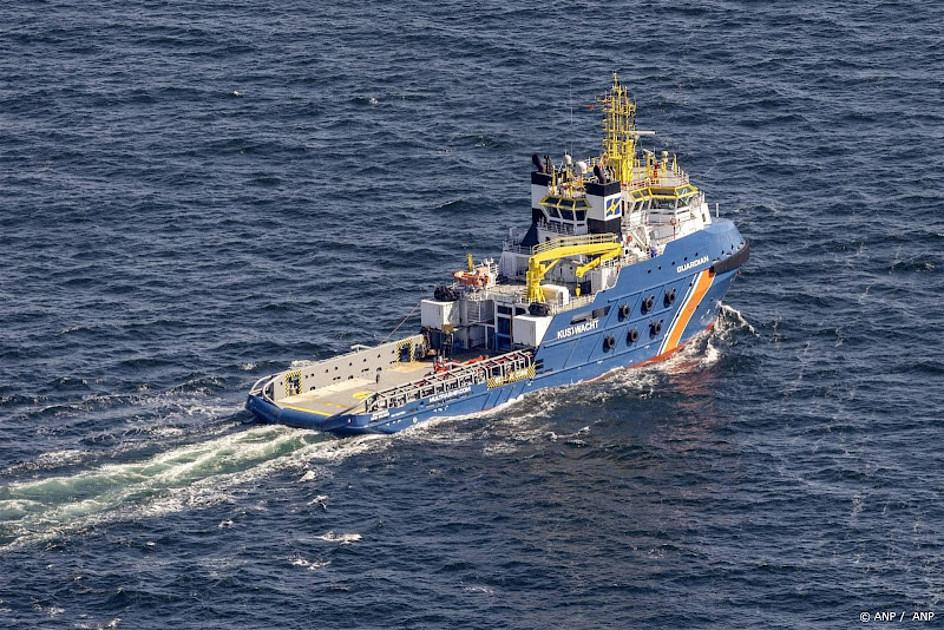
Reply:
x=546, y=255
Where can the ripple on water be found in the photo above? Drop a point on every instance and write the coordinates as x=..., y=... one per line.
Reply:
x=201, y=196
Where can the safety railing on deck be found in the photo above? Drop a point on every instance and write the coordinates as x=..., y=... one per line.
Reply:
x=496, y=371
x=559, y=228
x=569, y=241
x=574, y=302
x=514, y=248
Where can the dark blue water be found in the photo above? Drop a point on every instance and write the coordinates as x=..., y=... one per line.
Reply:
x=193, y=195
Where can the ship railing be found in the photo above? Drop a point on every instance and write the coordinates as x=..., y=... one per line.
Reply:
x=560, y=241
x=514, y=248
x=665, y=179
x=673, y=216
x=516, y=234
x=508, y=294
x=307, y=376
x=558, y=228
x=573, y=303
x=495, y=371
x=258, y=388
x=567, y=241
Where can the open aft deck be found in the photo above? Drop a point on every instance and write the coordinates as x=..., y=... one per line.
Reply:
x=348, y=395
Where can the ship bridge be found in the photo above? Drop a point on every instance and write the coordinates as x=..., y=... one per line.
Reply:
x=590, y=218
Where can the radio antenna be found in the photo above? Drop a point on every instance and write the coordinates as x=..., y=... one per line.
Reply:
x=570, y=91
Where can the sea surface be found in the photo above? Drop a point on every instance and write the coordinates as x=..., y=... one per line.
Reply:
x=194, y=194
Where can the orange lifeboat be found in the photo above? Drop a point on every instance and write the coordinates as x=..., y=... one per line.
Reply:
x=477, y=278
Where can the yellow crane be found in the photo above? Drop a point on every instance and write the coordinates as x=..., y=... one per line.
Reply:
x=541, y=262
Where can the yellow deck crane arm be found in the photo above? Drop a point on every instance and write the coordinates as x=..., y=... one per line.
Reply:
x=615, y=251
x=541, y=263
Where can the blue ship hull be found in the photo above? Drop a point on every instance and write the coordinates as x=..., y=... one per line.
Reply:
x=686, y=284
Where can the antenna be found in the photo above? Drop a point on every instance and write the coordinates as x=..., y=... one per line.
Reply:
x=619, y=130
x=570, y=92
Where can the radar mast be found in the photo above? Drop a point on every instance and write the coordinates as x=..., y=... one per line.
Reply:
x=619, y=131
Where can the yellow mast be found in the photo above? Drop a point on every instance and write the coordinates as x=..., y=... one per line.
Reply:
x=619, y=131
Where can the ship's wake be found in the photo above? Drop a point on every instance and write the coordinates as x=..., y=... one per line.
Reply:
x=207, y=472
x=707, y=349
x=538, y=416
x=194, y=475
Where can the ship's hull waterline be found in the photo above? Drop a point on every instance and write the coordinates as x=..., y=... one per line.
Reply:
x=581, y=356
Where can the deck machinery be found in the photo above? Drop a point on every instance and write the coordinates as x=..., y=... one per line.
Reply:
x=621, y=264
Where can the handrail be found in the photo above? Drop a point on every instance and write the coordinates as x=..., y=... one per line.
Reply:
x=454, y=379
x=558, y=228
x=569, y=241
x=260, y=389
x=574, y=302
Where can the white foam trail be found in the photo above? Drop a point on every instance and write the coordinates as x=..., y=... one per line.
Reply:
x=342, y=539
x=321, y=501
x=432, y=430
x=168, y=417
x=201, y=474
x=311, y=565
x=529, y=419
x=52, y=459
x=517, y=413
x=193, y=475
x=730, y=320
x=478, y=588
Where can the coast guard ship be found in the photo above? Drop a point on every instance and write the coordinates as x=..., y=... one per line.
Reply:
x=621, y=266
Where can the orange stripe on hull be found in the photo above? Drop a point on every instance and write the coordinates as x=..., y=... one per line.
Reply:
x=702, y=284
x=671, y=343
x=656, y=359
x=665, y=355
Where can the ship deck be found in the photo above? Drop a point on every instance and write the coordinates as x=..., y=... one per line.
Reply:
x=344, y=395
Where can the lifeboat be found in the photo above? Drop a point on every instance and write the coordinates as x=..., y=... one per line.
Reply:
x=478, y=278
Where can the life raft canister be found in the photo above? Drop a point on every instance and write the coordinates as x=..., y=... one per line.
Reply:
x=445, y=294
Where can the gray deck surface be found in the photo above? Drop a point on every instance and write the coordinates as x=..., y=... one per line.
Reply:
x=343, y=395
